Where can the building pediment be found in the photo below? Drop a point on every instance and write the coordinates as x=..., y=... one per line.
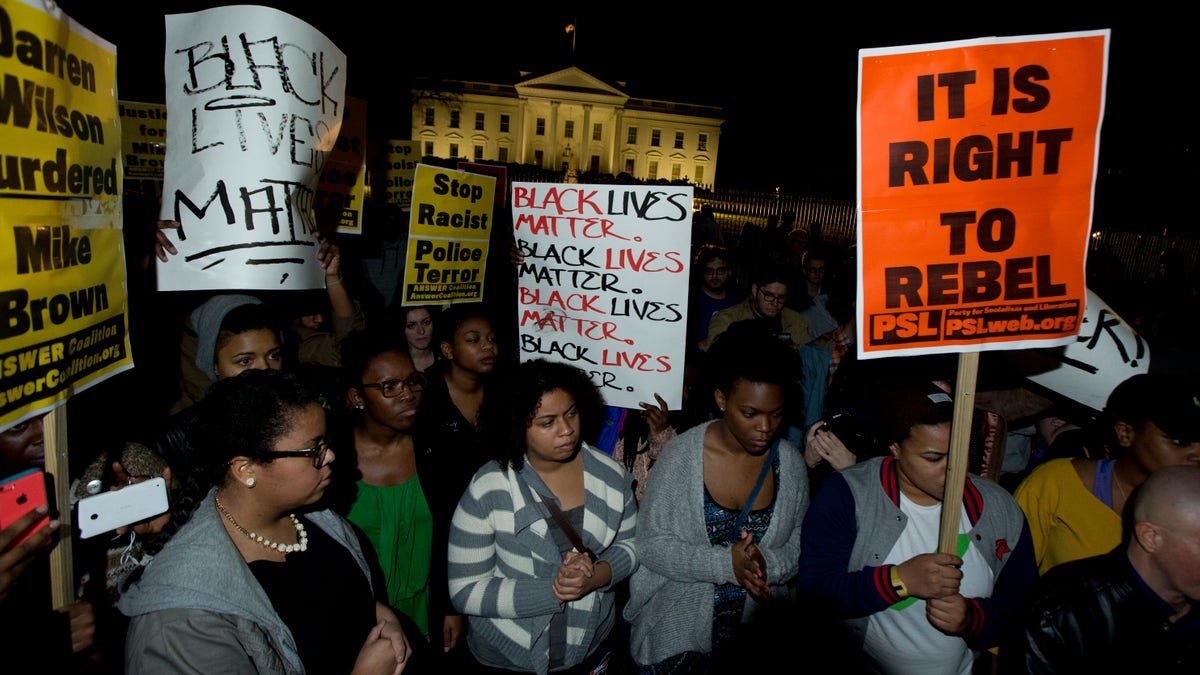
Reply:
x=569, y=80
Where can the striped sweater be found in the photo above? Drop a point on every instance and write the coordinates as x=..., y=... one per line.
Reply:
x=503, y=559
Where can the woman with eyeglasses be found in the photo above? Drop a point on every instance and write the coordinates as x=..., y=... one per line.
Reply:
x=259, y=578
x=387, y=491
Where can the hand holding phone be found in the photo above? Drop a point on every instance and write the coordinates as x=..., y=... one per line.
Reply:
x=110, y=510
x=15, y=557
x=20, y=494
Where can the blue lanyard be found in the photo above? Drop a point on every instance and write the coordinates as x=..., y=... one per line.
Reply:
x=762, y=476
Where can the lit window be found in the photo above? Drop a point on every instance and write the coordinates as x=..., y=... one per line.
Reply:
x=676, y=171
x=629, y=166
x=651, y=174
x=699, y=175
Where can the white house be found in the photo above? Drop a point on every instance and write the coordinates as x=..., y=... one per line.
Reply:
x=567, y=120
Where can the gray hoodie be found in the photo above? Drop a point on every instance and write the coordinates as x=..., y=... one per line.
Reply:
x=207, y=320
x=198, y=603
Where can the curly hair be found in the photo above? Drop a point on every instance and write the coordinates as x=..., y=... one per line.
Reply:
x=533, y=380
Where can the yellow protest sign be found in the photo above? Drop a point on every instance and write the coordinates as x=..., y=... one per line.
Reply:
x=341, y=187
x=448, y=235
x=143, y=139
x=63, y=322
x=59, y=134
x=400, y=164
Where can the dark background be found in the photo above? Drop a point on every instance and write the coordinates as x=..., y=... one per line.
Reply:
x=785, y=76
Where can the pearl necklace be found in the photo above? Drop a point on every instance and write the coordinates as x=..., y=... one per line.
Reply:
x=259, y=539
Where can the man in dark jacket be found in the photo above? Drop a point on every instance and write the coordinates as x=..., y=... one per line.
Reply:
x=1131, y=610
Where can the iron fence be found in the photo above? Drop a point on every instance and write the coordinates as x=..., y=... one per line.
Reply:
x=1130, y=255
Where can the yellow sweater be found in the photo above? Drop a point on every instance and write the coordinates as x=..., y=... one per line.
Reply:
x=1066, y=520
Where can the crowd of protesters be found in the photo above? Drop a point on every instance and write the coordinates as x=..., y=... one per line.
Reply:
x=365, y=487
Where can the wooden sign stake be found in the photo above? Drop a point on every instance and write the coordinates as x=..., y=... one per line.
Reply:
x=960, y=439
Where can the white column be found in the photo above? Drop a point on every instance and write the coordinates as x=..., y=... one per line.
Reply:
x=585, y=145
x=522, y=147
x=552, y=136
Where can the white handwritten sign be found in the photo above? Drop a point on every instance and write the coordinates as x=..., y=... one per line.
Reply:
x=1107, y=352
x=255, y=100
x=604, y=283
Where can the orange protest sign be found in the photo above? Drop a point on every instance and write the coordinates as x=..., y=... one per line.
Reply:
x=977, y=164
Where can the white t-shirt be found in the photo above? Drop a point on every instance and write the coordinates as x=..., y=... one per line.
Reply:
x=900, y=639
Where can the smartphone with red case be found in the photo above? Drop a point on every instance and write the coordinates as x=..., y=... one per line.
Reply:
x=20, y=494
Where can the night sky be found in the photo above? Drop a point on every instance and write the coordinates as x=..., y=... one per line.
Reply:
x=794, y=71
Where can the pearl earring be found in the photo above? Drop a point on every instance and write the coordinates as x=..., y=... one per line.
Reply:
x=250, y=482
x=358, y=407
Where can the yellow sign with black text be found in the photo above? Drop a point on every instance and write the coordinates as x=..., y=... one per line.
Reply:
x=63, y=310
x=448, y=232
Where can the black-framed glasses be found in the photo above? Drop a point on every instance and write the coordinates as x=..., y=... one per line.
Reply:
x=391, y=388
x=316, y=453
x=774, y=298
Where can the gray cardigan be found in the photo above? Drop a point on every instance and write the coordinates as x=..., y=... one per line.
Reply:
x=671, y=594
x=199, y=609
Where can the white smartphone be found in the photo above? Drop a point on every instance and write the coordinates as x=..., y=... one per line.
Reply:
x=107, y=511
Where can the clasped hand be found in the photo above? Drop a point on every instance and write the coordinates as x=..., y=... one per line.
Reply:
x=386, y=649
x=574, y=577
x=750, y=568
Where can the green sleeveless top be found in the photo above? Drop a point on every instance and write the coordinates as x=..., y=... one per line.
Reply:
x=399, y=525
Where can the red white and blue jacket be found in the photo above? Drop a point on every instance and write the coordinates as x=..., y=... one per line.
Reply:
x=855, y=520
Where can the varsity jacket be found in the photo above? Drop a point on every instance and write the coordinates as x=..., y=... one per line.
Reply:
x=1096, y=615
x=503, y=558
x=855, y=520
